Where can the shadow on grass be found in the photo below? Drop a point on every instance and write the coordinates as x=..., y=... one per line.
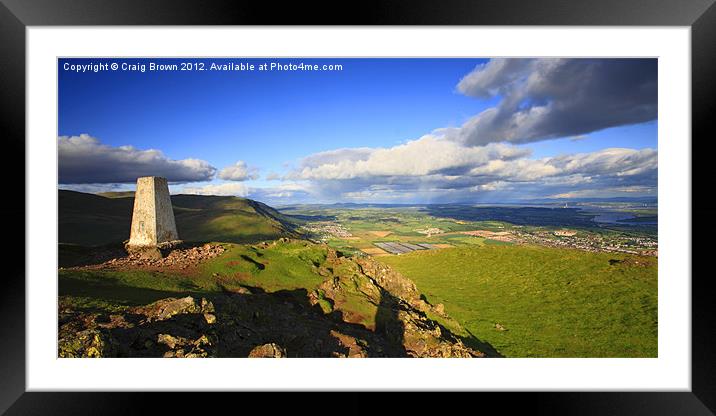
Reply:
x=475, y=343
x=110, y=290
x=246, y=317
x=258, y=265
x=389, y=325
x=74, y=255
x=470, y=340
x=243, y=322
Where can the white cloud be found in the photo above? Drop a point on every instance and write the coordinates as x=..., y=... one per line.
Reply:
x=84, y=159
x=424, y=156
x=612, y=161
x=238, y=172
x=275, y=193
x=222, y=189
x=429, y=170
x=284, y=190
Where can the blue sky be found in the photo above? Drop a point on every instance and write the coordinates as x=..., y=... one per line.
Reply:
x=283, y=128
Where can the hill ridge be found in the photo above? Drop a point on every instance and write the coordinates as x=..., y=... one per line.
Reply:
x=93, y=219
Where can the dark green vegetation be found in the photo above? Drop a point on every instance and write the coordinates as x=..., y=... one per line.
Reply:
x=88, y=219
x=548, y=302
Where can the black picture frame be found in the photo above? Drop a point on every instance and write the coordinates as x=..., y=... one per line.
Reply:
x=16, y=15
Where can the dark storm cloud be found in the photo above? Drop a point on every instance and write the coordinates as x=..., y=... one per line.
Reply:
x=551, y=98
x=84, y=160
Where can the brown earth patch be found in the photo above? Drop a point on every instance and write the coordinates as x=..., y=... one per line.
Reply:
x=242, y=275
x=493, y=235
x=442, y=245
x=381, y=234
x=374, y=251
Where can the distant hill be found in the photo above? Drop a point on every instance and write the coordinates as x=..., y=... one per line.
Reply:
x=617, y=199
x=535, y=201
x=122, y=194
x=89, y=219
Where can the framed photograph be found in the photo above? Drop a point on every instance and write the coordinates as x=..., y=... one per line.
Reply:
x=482, y=198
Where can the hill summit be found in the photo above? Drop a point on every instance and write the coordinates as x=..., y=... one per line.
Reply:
x=284, y=298
x=239, y=285
x=99, y=219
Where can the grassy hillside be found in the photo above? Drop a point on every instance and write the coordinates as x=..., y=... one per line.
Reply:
x=305, y=297
x=281, y=266
x=549, y=302
x=277, y=267
x=122, y=194
x=88, y=219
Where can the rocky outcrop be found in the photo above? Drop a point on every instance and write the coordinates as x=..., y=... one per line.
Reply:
x=401, y=312
x=179, y=256
x=87, y=343
x=270, y=350
x=171, y=327
x=361, y=309
x=166, y=308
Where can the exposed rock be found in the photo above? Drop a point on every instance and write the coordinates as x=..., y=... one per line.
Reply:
x=115, y=321
x=355, y=349
x=270, y=350
x=183, y=347
x=166, y=308
x=150, y=253
x=174, y=255
x=241, y=290
x=89, y=343
x=168, y=340
x=207, y=306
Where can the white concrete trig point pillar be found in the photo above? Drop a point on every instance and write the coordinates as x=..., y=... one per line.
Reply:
x=153, y=218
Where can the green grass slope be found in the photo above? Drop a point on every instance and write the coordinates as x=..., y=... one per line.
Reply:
x=88, y=219
x=273, y=267
x=281, y=266
x=550, y=302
